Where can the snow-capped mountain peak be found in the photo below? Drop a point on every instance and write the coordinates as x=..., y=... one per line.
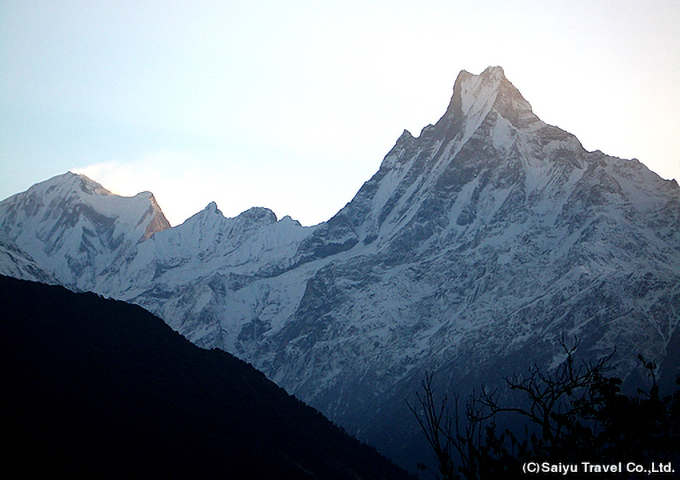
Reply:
x=476, y=95
x=422, y=177
x=472, y=250
x=71, y=183
x=76, y=228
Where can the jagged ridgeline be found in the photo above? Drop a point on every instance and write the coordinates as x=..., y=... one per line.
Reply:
x=471, y=252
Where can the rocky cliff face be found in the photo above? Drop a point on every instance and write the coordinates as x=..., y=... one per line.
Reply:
x=470, y=253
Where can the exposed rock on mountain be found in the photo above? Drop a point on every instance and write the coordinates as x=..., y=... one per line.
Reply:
x=472, y=250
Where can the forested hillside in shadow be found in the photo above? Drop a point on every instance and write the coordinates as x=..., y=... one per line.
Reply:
x=99, y=388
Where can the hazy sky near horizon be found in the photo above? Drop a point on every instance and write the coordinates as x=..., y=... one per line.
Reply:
x=292, y=105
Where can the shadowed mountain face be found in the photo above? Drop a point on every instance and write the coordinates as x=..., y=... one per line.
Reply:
x=103, y=389
x=475, y=247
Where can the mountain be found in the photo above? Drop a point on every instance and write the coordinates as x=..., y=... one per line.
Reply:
x=471, y=252
x=100, y=388
x=76, y=229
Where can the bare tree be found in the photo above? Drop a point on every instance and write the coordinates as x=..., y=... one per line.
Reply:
x=555, y=403
x=458, y=439
x=553, y=399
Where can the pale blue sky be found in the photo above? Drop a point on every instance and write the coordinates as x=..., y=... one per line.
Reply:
x=292, y=105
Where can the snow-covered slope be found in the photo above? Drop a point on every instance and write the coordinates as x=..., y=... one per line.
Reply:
x=472, y=250
x=195, y=275
x=16, y=263
x=475, y=247
x=76, y=229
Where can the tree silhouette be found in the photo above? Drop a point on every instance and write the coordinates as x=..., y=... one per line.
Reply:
x=573, y=413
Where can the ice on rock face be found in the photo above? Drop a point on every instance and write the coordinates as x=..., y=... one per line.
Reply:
x=470, y=252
